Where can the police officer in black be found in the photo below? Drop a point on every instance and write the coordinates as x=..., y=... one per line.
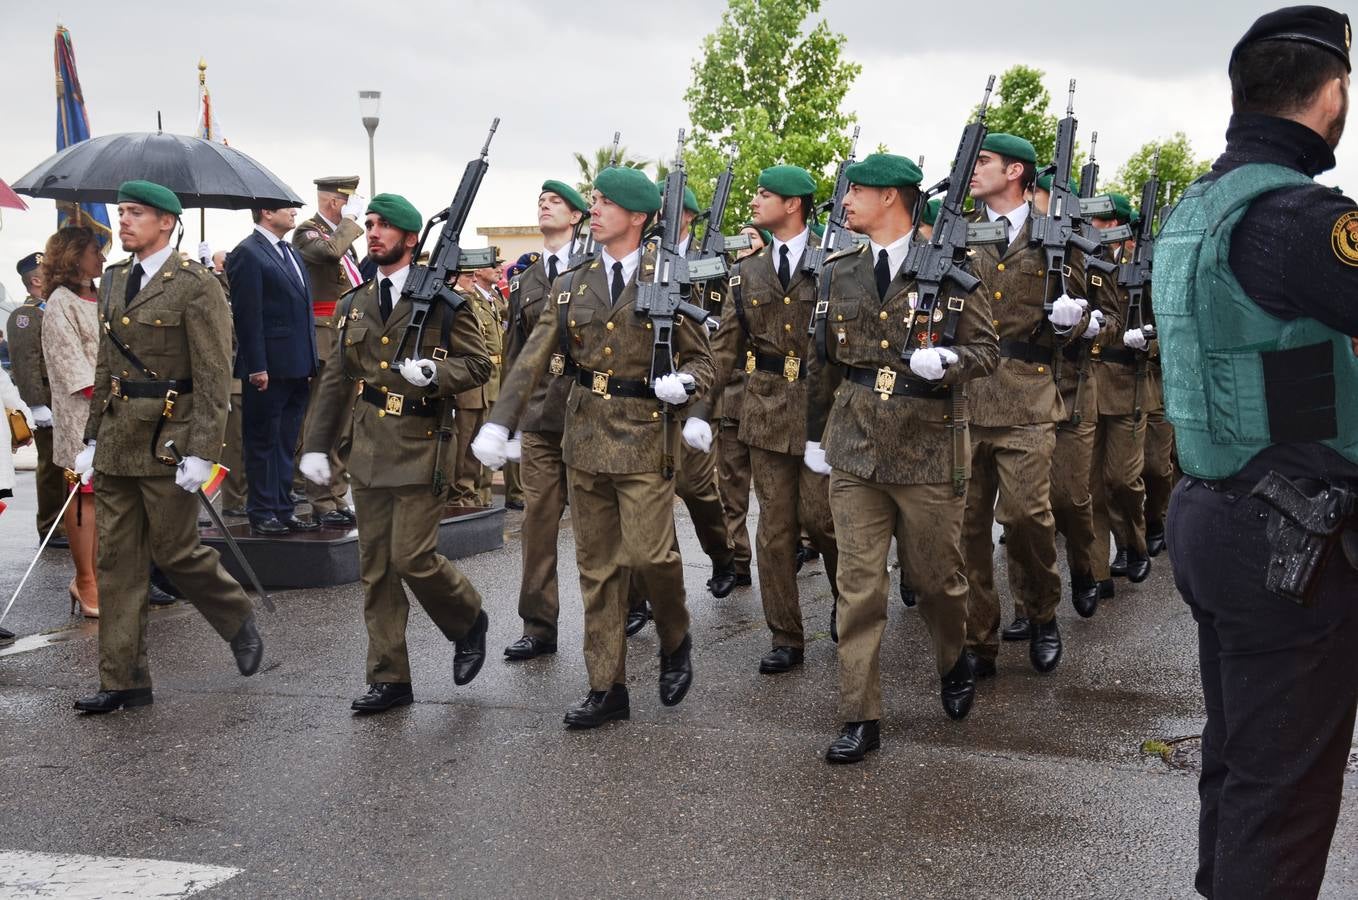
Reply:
x=1256, y=300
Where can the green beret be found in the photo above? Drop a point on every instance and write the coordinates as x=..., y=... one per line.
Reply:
x=690, y=198
x=884, y=170
x=1044, y=182
x=930, y=214
x=567, y=193
x=787, y=181
x=1010, y=146
x=398, y=212
x=148, y=193
x=817, y=228
x=1122, y=207
x=629, y=188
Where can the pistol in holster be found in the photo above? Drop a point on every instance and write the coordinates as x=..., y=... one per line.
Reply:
x=1302, y=531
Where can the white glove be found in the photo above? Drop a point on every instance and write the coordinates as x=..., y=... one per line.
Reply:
x=1135, y=339
x=419, y=372
x=814, y=457
x=491, y=445
x=514, y=449
x=40, y=416
x=929, y=363
x=1095, y=325
x=698, y=435
x=356, y=207
x=192, y=472
x=1067, y=311
x=205, y=254
x=670, y=388
x=315, y=467
x=84, y=463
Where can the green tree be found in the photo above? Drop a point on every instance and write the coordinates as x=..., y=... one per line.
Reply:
x=1021, y=106
x=589, y=168
x=771, y=89
x=1178, y=168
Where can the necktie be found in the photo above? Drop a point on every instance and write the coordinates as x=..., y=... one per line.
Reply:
x=784, y=270
x=616, y=289
x=287, y=262
x=551, y=268
x=883, y=272
x=133, y=284
x=1005, y=220
x=385, y=299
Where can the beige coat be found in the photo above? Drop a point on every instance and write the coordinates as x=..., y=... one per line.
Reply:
x=70, y=345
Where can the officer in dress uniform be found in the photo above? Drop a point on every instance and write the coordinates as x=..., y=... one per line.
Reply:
x=163, y=374
x=1255, y=274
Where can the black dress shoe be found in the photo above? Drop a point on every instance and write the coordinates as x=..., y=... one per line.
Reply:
x=599, y=707
x=514, y=504
x=855, y=740
x=339, y=518
x=1044, y=648
x=471, y=650
x=981, y=667
x=1107, y=589
x=1155, y=537
x=529, y=647
x=676, y=673
x=158, y=597
x=237, y=512
x=59, y=542
x=108, y=701
x=1017, y=631
x=743, y=579
x=637, y=617
x=382, y=697
x=780, y=660
x=805, y=554
x=1084, y=595
x=722, y=582
x=907, y=594
x=6, y=636
x=834, y=621
x=1119, y=566
x=959, y=689
x=292, y=523
x=269, y=527
x=1138, y=567
x=248, y=648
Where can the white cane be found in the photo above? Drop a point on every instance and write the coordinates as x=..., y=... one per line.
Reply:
x=75, y=489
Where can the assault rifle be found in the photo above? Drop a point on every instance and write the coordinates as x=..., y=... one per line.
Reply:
x=707, y=260
x=1134, y=276
x=582, y=241
x=836, y=231
x=1096, y=268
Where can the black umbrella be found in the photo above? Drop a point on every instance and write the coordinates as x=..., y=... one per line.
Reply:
x=202, y=173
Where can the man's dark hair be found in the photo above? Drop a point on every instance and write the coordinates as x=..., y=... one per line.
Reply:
x=258, y=212
x=1280, y=77
x=1029, y=176
x=26, y=279
x=910, y=197
x=808, y=206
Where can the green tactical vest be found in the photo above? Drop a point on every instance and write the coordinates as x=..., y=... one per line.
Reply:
x=1236, y=379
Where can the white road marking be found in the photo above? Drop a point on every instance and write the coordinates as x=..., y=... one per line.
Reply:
x=69, y=875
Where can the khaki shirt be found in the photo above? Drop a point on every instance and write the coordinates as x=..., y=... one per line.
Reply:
x=529, y=295
x=28, y=369
x=321, y=248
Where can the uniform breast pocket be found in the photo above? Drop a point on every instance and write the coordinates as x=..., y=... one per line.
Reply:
x=162, y=328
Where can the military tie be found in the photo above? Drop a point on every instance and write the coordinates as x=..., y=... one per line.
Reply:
x=1005, y=221
x=133, y=284
x=617, y=286
x=883, y=272
x=551, y=268
x=288, y=264
x=784, y=270
x=384, y=302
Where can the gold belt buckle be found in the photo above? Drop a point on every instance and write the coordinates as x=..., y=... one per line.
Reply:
x=117, y=385
x=886, y=382
x=558, y=365
x=600, y=385
x=168, y=411
x=792, y=367
x=395, y=404
x=749, y=363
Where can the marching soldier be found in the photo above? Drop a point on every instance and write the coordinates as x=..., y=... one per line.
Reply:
x=163, y=374
x=772, y=299
x=325, y=243
x=400, y=458
x=1014, y=415
x=29, y=371
x=472, y=485
x=617, y=441
x=887, y=435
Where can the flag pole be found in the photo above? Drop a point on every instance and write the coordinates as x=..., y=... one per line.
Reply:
x=202, y=86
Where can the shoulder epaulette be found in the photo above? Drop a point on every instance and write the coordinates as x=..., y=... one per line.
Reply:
x=846, y=252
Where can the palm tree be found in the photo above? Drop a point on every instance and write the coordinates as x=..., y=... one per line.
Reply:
x=591, y=168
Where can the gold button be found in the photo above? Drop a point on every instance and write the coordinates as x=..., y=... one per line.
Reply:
x=126, y=320
x=1041, y=369
x=999, y=295
x=995, y=322
x=1000, y=267
x=610, y=373
x=572, y=323
x=754, y=302
x=157, y=321
x=787, y=327
x=348, y=342
x=383, y=389
x=383, y=365
x=655, y=415
x=648, y=326
x=885, y=344
x=1041, y=272
x=429, y=434
x=609, y=326
x=839, y=318
x=608, y=351
x=124, y=373
x=882, y=315
x=381, y=414
x=385, y=339
x=787, y=300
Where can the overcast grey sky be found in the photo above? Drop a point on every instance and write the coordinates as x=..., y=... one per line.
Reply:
x=284, y=83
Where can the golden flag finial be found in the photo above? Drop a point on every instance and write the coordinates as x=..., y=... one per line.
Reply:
x=202, y=71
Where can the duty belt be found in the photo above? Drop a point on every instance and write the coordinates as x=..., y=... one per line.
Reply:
x=599, y=383
x=394, y=404
x=789, y=367
x=140, y=388
x=1117, y=355
x=1026, y=351
x=562, y=365
x=890, y=383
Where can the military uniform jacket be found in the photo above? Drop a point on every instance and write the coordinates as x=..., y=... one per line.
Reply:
x=1102, y=292
x=774, y=403
x=1020, y=392
x=529, y=294
x=727, y=401
x=321, y=248
x=487, y=318
x=179, y=326
x=1115, y=363
x=605, y=434
x=29, y=369
x=896, y=439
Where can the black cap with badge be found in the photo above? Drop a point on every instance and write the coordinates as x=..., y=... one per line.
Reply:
x=1314, y=25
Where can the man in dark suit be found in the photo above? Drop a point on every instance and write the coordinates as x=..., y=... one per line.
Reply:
x=275, y=359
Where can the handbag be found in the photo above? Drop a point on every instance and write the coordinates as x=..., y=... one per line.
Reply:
x=19, y=432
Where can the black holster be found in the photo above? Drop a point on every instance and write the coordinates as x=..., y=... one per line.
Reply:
x=1303, y=530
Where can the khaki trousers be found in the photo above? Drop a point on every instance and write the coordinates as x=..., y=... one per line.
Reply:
x=733, y=483
x=1119, y=494
x=467, y=478
x=697, y=487
x=544, y=497
x=323, y=498
x=1072, y=498
x=233, y=489
x=50, y=479
x=1159, y=473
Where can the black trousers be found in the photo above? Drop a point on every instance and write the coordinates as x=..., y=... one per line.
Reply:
x=270, y=420
x=1281, y=684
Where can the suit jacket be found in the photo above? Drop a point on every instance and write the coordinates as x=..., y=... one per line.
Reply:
x=28, y=367
x=321, y=248
x=605, y=434
x=272, y=311
x=179, y=326
x=529, y=294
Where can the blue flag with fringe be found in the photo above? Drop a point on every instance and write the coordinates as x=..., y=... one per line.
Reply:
x=73, y=126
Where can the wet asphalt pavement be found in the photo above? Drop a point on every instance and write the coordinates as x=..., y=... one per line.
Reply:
x=479, y=791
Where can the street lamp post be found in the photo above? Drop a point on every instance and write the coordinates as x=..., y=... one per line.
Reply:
x=369, y=104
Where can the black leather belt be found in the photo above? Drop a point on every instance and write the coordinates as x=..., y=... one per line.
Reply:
x=121, y=387
x=562, y=365
x=1026, y=351
x=1117, y=355
x=394, y=404
x=888, y=381
x=789, y=367
x=601, y=384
